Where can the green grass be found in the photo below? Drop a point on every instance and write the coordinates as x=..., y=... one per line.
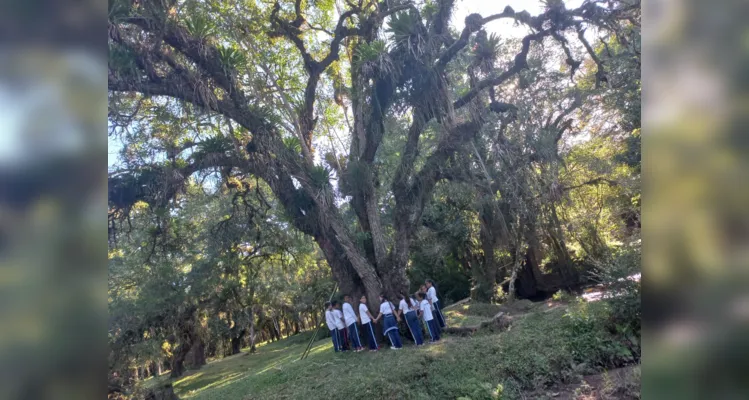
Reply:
x=534, y=353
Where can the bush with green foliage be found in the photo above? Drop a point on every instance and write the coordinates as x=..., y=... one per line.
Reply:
x=618, y=276
x=588, y=339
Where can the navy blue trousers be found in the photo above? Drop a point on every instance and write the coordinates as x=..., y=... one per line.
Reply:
x=413, y=325
x=337, y=337
x=391, y=325
x=434, y=329
x=438, y=314
x=369, y=332
x=353, y=334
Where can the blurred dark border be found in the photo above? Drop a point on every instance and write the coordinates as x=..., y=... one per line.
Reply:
x=695, y=200
x=53, y=243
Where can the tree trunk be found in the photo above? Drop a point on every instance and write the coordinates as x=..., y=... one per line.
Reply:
x=253, y=334
x=198, y=353
x=178, y=360
x=348, y=277
x=485, y=276
x=236, y=344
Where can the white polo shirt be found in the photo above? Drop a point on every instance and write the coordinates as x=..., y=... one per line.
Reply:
x=404, y=306
x=386, y=308
x=426, y=310
x=338, y=317
x=432, y=294
x=363, y=313
x=329, y=320
x=349, y=316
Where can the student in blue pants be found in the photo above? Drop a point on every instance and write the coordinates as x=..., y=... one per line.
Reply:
x=339, y=325
x=350, y=318
x=389, y=322
x=330, y=321
x=407, y=308
x=435, y=302
x=367, y=324
x=426, y=312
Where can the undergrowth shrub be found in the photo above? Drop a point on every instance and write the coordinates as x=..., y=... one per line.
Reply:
x=562, y=296
x=625, y=303
x=588, y=339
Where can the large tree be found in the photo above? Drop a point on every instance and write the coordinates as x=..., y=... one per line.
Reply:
x=269, y=81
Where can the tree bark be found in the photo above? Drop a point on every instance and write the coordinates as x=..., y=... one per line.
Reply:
x=178, y=360
x=236, y=343
x=198, y=349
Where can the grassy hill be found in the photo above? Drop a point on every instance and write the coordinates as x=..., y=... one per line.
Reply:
x=546, y=350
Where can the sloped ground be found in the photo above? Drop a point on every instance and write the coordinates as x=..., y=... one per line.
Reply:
x=535, y=356
x=617, y=384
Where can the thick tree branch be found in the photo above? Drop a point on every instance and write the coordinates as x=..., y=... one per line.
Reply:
x=518, y=65
x=601, y=72
x=596, y=181
x=473, y=22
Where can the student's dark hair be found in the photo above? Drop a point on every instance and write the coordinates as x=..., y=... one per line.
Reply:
x=407, y=299
x=334, y=303
x=421, y=295
x=327, y=304
x=431, y=282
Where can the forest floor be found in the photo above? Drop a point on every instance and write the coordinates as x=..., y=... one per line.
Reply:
x=530, y=359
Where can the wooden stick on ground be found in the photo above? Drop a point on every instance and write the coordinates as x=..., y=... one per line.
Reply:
x=312, y=340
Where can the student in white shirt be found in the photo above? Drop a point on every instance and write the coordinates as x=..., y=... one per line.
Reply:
x=426, y=313
x=389, y=322
x=350, y=318
x=435, y=302
x=407, y=308
x=330, y=321
x=340, y=326
x=366, y=323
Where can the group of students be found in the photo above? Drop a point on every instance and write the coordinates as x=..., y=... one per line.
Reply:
x=345, y=332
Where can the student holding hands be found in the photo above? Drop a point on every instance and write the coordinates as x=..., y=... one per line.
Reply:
x=390, y=322
x=407, y=308
x=350, y=318
x=367, y=321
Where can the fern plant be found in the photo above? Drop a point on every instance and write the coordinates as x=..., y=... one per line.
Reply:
x=373, y=57
x=404, y=27
x=319, y=176
x=231, y=58
x=293, y=143
x=200, y=26
x=486, y=50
